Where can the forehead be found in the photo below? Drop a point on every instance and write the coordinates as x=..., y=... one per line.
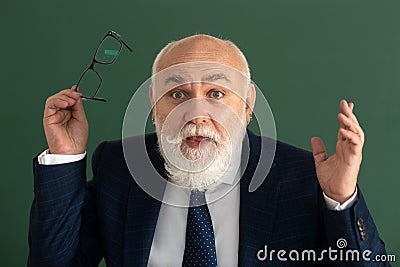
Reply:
x=199, y=72
x=201, y=48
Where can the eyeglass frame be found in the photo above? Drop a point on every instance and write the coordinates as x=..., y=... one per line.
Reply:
x=122, y=43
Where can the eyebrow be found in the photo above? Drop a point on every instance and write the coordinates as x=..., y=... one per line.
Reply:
x=214, y=77
x=175, y=78
x=209, y=78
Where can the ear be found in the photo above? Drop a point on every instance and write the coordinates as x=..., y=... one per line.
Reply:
x=250, y=101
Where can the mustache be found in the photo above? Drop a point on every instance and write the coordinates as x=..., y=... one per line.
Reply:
x=190, y=130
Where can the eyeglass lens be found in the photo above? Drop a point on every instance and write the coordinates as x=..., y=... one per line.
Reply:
x=89, y=83
x=106, y=53
x=108, y=50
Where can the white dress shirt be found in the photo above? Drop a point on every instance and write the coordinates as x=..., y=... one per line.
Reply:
x=168, y=244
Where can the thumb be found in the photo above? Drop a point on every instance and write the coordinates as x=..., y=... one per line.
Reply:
x=77, y=110
x=318, y=149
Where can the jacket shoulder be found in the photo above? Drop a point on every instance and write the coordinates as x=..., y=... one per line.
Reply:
x=292, y=167
x=111, y=159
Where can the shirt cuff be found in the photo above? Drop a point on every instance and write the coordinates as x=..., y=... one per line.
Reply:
x=334, y=205
x=45, y=158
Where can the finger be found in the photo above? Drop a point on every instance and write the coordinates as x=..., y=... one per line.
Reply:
x=347, y=110
x=59, y=117
x=341, y=124
x=351, y=124
x=71, y=101
x=77, y=107
x=341, y=104
x=318, y=150
x=351, y=105
x=78, y=111
x=66, y=95
x=350, y=136
x=346, y=123
x=70, y=93
x=57, y=101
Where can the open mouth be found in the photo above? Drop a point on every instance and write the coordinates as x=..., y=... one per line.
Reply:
x=194, y=141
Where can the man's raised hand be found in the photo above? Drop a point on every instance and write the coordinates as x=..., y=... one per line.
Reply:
x=337, y=174
x=65, y=123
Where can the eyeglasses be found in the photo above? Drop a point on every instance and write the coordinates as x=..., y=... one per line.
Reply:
x=106, y=53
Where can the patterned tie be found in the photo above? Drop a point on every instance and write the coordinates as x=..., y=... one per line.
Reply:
x=200, y=244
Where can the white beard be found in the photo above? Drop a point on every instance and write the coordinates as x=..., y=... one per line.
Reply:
x=200, y=168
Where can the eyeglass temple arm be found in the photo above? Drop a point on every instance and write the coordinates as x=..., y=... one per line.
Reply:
x=94, y=98
x=126, y=45
x=117, y=36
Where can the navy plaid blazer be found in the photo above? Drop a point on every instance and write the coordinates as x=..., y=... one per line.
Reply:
x=77, y=223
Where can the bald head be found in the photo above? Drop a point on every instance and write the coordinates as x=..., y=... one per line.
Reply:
x=201, y=47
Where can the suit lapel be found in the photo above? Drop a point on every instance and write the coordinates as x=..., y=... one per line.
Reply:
x=142, y=209
x=258, y=208
x=141, y=219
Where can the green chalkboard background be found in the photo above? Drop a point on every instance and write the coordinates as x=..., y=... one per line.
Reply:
x=305, y=55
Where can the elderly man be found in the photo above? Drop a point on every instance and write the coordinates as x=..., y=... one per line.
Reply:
x=308, y=210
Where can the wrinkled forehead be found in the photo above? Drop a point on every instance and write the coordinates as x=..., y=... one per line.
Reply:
x=199, y=72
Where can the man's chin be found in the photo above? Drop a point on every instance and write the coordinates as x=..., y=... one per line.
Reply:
x=204, y=167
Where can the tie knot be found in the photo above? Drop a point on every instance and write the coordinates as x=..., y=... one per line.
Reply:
x=197, y=198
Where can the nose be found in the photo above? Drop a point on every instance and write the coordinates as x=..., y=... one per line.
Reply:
x=197, y=112
x=199, y=120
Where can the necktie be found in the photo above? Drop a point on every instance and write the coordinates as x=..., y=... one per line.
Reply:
x=200, y=244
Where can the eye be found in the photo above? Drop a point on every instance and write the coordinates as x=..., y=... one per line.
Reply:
x=216, y=94
x=178, y=95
